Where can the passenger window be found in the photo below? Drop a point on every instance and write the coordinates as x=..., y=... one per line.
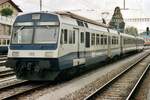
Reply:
x=109, y=39
x=97, y=39
x=82, y=37
x=8, y=41
x=87, y=45
x=65, y=36
x=105, y=39
x=74, y=37
x=113, y=40
x=62, y=36
x=117, y=41
x=102, y=39
x=70, y=37
x=93, y=39
x=4, y=42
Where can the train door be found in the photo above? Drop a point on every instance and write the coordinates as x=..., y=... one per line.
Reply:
x=81, y=45
x=80, y=35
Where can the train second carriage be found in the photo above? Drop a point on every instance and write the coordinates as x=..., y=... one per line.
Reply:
x=44, y=45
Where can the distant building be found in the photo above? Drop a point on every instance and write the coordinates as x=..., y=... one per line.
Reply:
x=6, y=22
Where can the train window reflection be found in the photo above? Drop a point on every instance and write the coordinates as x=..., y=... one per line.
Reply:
x=65, y=36
x=39, y=35
x=22, y=35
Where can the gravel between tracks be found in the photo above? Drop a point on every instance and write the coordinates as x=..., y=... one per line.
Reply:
x=82, y=85
x=82, y=93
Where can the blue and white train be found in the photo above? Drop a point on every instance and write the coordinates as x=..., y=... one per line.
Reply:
x=44, y=45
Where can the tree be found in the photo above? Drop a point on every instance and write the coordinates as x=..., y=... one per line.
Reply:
x=117, y=21
x=132, y=31
x=6, y=12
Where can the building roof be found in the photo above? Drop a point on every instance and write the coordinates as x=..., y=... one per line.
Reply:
x=11, y=2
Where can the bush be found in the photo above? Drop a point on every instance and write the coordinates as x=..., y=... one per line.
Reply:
x=6, y=12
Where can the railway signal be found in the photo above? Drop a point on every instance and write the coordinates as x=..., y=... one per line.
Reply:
x=147, y=30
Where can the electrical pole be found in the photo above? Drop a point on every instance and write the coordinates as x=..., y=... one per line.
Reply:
x=124, y=5
x=40, y=5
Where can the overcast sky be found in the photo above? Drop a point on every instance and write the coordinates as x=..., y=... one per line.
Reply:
x=90, y=8
x=33, y=5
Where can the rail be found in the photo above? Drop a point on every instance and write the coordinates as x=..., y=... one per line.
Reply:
x=92, y=95
x=28, y=87
x=136, y=85
x=6, y=73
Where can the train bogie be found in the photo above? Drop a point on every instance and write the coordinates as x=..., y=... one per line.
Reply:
x=35, y=69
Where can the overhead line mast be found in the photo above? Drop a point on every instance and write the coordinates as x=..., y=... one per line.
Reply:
x=124, y=4
x=40, y=5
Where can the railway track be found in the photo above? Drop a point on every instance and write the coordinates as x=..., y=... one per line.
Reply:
x=6, y=73
x=3, y=59
x=2, y=63
x=18, y=88
x=7, y=80
x=3, y=56
x=122, y=86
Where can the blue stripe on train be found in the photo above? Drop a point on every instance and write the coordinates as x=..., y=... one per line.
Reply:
x=33, y=47
x=60, y=63
x=67, y=60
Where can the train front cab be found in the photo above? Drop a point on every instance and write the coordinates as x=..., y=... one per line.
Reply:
x=33, y=52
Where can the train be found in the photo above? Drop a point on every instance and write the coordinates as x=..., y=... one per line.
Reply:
x=45, y=45
x=4, y=42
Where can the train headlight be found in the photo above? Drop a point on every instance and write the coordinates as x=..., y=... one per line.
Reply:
x=15, y=54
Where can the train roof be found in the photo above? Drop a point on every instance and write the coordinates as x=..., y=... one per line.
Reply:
x=75, y=16
x=127, y=35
